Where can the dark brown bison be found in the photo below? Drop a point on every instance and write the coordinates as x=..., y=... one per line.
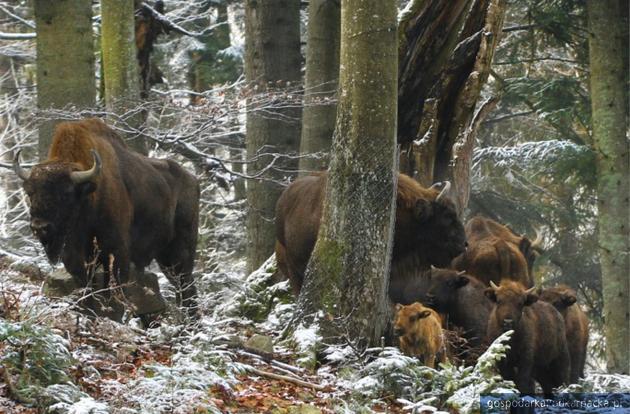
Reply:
x=538, y=345
x=462, y=299
x=427, y=230
x=93, y=189
x=495, y=252
x=419, y=331
x=564, y=299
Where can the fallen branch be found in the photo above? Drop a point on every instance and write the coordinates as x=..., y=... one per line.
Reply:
x=300, y=382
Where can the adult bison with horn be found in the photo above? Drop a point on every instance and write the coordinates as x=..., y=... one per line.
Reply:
x=94, y=196
x=427, y=231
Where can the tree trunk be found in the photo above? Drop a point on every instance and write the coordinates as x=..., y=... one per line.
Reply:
x=346, y=276
x=608, y=58
x=446, y=47
x=272, y=60
x=120, y=66
x=320, y=85
x=65, y=59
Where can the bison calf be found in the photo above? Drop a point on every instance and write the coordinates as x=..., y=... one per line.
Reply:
x=420, y=333
x=563, y=298
x=538, y=345
x=462, y=299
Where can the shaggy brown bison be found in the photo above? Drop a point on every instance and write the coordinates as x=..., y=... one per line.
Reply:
x=419, y=331
x=427, y=230
x=495, y=252
x=462, y=299
x=93, y=189
x=564, y=299
x=538, y=345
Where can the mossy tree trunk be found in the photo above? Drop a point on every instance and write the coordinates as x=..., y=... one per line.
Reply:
x=445, y=50
x=120, y=66
x=608, y=59
x=65, y=59
x=346, y=278
x=320, y=84
x=272, y=60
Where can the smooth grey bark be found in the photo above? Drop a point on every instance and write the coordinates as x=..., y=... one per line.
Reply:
x=320, y=84
x=608, y=60
x=346, y=278
x=65, y=60
x=120, y=66
x=272, y=60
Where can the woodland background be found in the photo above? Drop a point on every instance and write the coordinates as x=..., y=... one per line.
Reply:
x=503, y=98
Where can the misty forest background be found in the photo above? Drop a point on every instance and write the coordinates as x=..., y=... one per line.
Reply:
x=521, y=104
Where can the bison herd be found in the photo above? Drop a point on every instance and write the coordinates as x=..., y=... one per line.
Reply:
x=476, y=280
x=93, y=200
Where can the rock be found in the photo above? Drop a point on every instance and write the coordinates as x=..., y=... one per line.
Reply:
x=144, y=294
x=261, y=343
x=59, y=283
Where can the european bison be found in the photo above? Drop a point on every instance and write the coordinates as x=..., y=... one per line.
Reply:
x=564, y=299
x=462, y=299
x=538, y=345
x=495, y=252
x=427, y=230
x=92, y=188
x=419, y=331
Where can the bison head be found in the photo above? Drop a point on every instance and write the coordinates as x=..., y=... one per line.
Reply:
x=56, y=191
x=509, y=301
x=561, y=297
x=407, y=316
x=431, y=229
x=443, y=287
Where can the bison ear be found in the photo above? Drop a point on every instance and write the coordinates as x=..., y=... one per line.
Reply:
x=423, y=209
x=568, y=299
x=84, y=189
x=398, y=307
x=423, y=314
x=489, y=292
x=531, y=298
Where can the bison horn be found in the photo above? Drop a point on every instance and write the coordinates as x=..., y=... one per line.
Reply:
x=445, y=191
x=537, y=243
x=79, y=177
x=493, y=285
x=21, y=172
x=531, y=290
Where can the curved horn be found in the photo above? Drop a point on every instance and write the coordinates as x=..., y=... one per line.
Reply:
x=445, y=190
x=21, y=172
x=436, y=186
x=493, y=285
x=537, y=243
x=79, y=177
x=531, y=290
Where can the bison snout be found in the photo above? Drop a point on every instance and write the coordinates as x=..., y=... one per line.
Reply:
x=41, y=228
x=507, y=324
x=429, y=299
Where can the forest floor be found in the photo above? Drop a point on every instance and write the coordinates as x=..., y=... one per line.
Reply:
x=237, y=358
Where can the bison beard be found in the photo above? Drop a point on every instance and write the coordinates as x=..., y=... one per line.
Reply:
x=427, y=231
x=92, y=188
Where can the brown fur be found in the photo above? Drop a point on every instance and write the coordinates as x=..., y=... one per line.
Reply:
x=564, y=299
x=462, y=299
x=538, y=345
x=494, y=253
x=426, y=231
x=136, y=209
x=420, y=333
